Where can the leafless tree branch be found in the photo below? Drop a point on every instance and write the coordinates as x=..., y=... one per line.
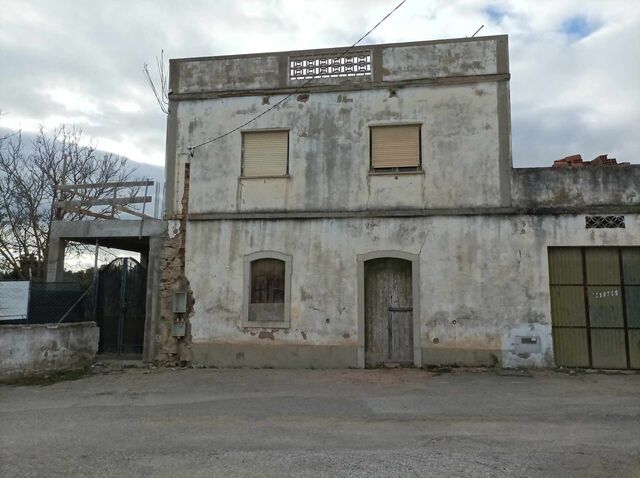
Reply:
x=29, y=176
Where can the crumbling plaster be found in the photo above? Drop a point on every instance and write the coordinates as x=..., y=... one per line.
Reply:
x=38, y=348
x=390, y=62
x=467, y=217
x=483, y=279
x=596, y=185
x=329, y=151
x=466, y=146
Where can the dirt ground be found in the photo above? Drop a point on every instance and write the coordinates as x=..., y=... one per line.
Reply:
x=315, y=423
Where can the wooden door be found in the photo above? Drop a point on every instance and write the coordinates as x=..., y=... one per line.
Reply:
x=388, y=312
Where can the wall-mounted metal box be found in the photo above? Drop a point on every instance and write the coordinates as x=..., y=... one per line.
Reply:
x=179, y=302
x=179, y=329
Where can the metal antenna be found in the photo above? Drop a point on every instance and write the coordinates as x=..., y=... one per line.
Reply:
x=481, y=27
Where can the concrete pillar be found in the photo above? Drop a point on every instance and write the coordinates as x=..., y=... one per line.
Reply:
x=55, y=259
x=144, y=258
x=152, y=314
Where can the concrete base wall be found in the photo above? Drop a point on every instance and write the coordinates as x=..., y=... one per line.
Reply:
x=274, y=356
x=324, y=356
x=31, y=349
x=462, y=357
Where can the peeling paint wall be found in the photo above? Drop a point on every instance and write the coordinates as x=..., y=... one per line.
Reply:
x=31, y=349
x=483, y=280
x=460, y=116
x=329, y=151
x=594, y=185
x=391, y=62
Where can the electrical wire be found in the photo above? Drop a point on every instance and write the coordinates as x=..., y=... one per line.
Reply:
x=296, y=91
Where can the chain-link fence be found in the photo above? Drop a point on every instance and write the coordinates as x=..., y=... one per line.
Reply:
x=14, y=301
x=59, y=301
x=24, y=302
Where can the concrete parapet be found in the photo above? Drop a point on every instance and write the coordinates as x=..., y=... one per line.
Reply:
x=578, y=187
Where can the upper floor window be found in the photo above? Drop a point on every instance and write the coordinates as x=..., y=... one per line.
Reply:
x=395, y=148
x=265, y=153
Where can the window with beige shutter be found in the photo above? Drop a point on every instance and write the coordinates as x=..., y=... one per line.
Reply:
x=265, y=153
x=395, y=148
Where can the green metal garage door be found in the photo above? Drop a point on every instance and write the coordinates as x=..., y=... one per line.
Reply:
x=595, y=306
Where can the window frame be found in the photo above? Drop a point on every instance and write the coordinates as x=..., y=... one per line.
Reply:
x=264, y=130
x=395, y=171
x=246, y=296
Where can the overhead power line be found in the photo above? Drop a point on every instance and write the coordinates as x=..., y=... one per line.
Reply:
x=296, y=91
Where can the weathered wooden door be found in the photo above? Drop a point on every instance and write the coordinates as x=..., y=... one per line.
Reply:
x=388, y=312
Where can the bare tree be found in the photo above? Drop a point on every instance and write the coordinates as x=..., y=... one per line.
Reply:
x=29, y=176
x=160, y=87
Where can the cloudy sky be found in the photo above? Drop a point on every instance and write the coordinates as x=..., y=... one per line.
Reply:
x=575, y=64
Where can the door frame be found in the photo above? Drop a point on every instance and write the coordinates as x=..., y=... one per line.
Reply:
x=415, y=292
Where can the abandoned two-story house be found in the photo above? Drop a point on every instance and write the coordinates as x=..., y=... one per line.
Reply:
x=374, y=217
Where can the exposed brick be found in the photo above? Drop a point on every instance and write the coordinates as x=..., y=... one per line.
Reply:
x=575, y=161
x=173, y=349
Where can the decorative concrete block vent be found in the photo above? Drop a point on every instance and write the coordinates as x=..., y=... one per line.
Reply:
x=330, y=65
x=604, y=222
x=33, y=349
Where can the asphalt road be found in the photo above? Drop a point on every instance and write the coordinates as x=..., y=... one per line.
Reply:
x=316, y=423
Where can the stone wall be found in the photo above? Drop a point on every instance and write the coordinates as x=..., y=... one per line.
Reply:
x=31, y=349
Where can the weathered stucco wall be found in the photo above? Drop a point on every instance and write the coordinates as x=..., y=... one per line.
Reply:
x=442, y=59
x=593, y=185
x=329, y=151
x=391, y=62
x=483, y=279
x=30, y=349
x=483, y=282
x=456, y=89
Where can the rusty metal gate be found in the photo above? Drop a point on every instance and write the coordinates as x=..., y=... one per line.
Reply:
x=120, y=306
x=388, y=312
x=595, y=306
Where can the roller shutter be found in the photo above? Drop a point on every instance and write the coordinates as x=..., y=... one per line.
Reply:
x=265, y=153
x=395, y=146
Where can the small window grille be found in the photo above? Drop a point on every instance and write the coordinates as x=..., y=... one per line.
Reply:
x=330, y=66
x=604, y=222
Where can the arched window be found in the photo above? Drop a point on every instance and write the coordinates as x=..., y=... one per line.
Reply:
x=266, y=298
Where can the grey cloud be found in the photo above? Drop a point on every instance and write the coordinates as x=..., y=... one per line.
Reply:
x=96, y=49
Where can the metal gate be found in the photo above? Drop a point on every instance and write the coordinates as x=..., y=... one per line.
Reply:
x=120, y=306
x=595, y=306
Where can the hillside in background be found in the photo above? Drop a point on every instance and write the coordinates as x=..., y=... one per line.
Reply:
x=141, y=170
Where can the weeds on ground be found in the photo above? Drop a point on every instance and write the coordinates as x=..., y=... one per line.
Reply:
x=48, y=378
